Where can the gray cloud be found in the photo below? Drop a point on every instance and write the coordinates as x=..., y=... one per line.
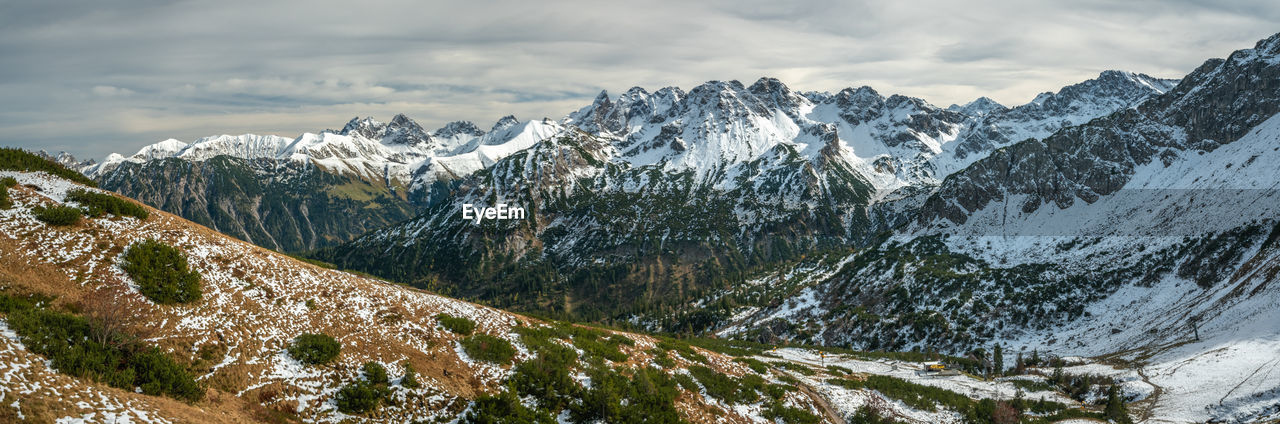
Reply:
x=94, y=77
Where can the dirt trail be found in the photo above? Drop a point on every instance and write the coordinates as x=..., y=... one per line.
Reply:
x=1146, y=407
x=829, y=412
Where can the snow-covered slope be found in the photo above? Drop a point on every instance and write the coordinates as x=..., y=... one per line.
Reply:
x=1146, y=238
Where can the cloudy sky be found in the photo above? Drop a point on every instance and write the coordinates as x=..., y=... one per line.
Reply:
x=93, y=77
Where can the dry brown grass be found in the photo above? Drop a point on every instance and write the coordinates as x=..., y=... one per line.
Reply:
x=254, y=304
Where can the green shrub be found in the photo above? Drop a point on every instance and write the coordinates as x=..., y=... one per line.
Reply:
x=838, y=370
x=777, y=391
x=724, y=387
x=57, y=215
x=755, y=364
x=360, y=397
x=546, y=378
x=410, y=379
x=5, y=184
x=484, y=347
x=683, y=349
x=539, y=338
x=505, y=408
x=161, y=273
x=458, y=325
x=794, y=367
x=687, y=382
x=647, y=396
x=593, y=344
x=21, y=160
x=917, y=396
x=662, y=359
x=79, y=348
x=5, y=201
x=374, y=372
x=782, y=413
x=314, y=349
x=619, y=340
x=99, y=204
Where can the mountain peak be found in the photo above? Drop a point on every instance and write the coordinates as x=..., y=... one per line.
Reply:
x=366, y=127
x=458, y=128
x=504, y=123
x=403, y=130
x=769, y=85
x=602, y=98
x=978, y=107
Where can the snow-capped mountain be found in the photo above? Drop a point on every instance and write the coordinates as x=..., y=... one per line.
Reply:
x=738, y=176
x=1148, y=236
x=735, y=176
x=66, y=159
x=398, y=153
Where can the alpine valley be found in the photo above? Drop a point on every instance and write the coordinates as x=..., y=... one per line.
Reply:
x=1126, y=224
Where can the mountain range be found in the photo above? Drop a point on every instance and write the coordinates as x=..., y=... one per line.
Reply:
x=1127, y=217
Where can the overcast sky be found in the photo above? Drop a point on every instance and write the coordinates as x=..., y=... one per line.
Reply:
x=93, y=77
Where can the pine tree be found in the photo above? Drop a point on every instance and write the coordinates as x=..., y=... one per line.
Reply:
x=1116, y=411
x=998, y=359
x=1020, y=367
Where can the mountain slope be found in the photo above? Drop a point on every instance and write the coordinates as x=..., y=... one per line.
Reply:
x=235, y=341
x=646, y=201
x=315, y=190
x=1146, y=237
x=254, y=303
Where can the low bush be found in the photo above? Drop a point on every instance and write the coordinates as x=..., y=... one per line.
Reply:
x=360, y=397
x=914, y=395
x=593, y=345
x=314, y=349
x=57, y=215
x=782, y=413
x=546, y=378
x=80, y=348
x=374, y=372
x=410, y=379
x=8, y=182
x=838, y=370
x=755, y=364
x=662, y=359
x=99, y=204
x=161, y=273
x=647, y=396
x=724, y=387
x=5, y=201
x=683, y=349
x=21, y=160
x=687, y=382
x=484, y=347
x=505, y=408
x=794, y=367
x=458, y=325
